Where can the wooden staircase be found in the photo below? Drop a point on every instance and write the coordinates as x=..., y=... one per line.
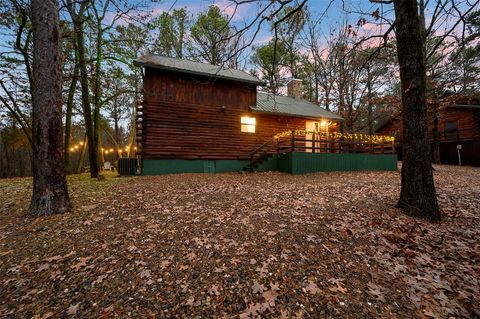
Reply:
x=260, y=155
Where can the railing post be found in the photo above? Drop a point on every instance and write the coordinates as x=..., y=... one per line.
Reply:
x=313, y=142
x=293, y=140
x=327, y=143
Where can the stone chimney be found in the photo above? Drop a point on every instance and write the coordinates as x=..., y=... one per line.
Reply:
x=294, y=88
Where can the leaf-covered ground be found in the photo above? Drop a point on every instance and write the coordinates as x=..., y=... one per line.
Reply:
x=242, y=245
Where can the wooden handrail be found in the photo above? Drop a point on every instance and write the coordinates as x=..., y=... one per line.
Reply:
x=261, y=147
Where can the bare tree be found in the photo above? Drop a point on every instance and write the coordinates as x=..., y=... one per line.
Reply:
x=78, y=17
x=50, y=194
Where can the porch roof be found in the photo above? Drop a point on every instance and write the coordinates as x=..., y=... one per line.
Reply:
x=289, y=106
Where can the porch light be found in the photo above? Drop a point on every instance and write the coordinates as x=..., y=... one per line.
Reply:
x=248, y=124
x=323, y=123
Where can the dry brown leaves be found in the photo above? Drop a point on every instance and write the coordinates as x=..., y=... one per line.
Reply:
x=249, y=246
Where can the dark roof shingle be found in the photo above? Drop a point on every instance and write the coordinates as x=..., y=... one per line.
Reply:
x=285, y=105
x=197, y=68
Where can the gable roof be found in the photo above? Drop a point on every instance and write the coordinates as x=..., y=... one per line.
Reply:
x=196, y=68
x=383, y=120
x=285, y=105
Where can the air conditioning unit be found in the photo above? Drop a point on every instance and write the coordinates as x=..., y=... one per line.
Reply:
x=127, y=166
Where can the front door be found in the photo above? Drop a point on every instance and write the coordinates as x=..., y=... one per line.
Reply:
x=314, y=126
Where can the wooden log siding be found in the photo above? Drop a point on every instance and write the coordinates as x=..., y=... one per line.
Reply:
x=189, y=117
x=467, y=118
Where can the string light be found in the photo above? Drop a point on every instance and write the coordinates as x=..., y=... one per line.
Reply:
x=75, y=147
x=373, y=139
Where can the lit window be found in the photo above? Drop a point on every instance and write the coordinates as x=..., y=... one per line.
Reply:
x=248, y=124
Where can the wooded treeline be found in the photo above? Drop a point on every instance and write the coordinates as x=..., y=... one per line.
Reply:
x=97, y=57
x=341, y=67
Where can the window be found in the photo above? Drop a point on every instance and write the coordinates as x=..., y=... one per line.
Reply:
x=248, y=124
x=451, y=130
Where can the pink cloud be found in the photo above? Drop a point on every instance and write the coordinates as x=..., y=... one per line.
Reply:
x=236, y=13
x=263, y=40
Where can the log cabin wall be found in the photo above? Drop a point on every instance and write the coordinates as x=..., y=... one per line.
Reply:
x=468, y=120
x=465, y=117
x=191, y=117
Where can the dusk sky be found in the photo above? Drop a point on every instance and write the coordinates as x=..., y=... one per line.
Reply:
x=333, y=13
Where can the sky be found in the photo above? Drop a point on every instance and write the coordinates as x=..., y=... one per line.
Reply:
x=333, y=15
x=330, y=11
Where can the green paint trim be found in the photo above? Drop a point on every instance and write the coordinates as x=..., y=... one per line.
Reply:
x=293, y=163
x=178, y=166
x=302, y=163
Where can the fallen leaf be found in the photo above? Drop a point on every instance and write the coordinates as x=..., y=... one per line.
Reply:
x=257, y=288
x=312, y=288
x=214, y=291
x=72, y=310
x=81, y=263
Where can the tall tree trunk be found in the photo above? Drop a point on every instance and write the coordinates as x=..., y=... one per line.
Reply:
x=327, y=99
x=436, y=137
x=341, y=94
x=98, y=92
x=101, y=154
x=369, y=101
x=77, y=19
x=82, y=155
x=50, y=193
x=417, y=197
x=68, y=116
x=115, y=123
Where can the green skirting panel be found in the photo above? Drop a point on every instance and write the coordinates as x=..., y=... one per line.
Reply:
x=301, y=163
x=177, y=166
x=293, y=163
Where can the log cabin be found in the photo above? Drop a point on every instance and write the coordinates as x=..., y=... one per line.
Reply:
x=458, y=127
x=197, y=117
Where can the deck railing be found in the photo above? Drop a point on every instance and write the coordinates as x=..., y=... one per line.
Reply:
x=333, y=142
x=456, y=135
